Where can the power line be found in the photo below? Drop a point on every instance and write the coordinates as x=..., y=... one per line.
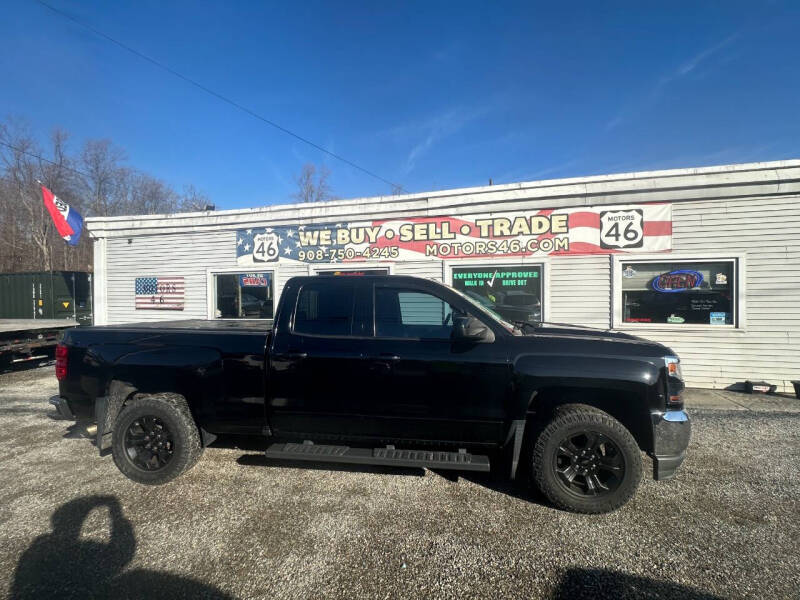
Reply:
x=42, y=158
x=219, y=96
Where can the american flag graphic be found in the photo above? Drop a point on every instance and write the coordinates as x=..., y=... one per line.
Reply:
x=290, y=239
x=159, y=293
x=567, y=231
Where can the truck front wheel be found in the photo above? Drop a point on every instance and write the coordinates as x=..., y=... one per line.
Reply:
x=155, y=438
x=584, y=460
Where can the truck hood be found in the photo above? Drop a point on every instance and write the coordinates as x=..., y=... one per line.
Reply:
x=574, y=336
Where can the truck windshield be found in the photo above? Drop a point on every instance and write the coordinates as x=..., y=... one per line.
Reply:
x=486, y=311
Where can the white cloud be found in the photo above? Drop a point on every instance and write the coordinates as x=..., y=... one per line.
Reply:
x=424, y=135
x=665, y=80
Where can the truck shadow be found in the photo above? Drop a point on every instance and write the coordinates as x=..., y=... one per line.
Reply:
x=61, y=564
x=589, y=584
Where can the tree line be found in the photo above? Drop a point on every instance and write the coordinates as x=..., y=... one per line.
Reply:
x=94, y=179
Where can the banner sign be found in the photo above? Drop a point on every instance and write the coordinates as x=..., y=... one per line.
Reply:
x=559, y=232
x=159, y=293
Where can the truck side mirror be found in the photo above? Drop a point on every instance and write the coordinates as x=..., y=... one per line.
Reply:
x=469, y=329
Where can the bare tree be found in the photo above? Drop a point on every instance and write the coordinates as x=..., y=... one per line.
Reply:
x=32, y=222
x=193, y=200
x=103, y=177
x=312, y=185
x=95, y=182
x=150, y=196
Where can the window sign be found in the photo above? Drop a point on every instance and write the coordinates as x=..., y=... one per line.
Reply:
x=681, y=280
x=254, y=280
x=515, y=293
x=244, y=295
x=678, y=293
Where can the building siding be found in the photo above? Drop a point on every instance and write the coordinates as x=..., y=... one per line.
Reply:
x=766, y=231
x=755, y=217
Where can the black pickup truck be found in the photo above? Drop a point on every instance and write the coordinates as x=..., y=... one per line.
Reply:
x=385, y=370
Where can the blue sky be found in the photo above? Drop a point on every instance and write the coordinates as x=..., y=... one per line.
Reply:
x=431, y=95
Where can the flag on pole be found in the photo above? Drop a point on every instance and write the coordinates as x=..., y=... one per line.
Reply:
x=68, y=221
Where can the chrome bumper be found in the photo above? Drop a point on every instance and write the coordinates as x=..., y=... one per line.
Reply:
x=671, y=432
x=62, y=407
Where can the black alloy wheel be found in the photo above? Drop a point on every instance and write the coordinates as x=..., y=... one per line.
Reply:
x=589, y=464
x=149, y=443
x=584, y=460
x=155, y=438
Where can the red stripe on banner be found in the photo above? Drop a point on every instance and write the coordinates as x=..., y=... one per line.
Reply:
x=584, y=219
x=419, y=247
x=657, y=228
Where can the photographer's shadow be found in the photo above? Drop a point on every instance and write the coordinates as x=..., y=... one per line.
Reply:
x=62, y=565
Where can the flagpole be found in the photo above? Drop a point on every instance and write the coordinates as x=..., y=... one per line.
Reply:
x=49, y=259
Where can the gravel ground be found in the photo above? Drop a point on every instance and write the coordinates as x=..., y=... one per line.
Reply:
x=239, y=526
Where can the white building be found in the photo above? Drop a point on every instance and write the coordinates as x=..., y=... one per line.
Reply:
x=704, y=260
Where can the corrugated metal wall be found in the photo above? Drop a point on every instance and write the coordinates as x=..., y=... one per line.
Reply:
x=577, y=289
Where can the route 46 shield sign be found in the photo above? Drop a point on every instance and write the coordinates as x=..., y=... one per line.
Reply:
x=622, y=228
x=265, y=247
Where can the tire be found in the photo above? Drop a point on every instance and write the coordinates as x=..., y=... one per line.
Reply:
x=159, y=426
x=586, y=461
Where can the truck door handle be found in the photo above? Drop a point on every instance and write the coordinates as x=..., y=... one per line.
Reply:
x=383, y=363
x=292, y=356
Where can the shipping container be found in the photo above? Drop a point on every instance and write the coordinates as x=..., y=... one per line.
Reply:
x=47, y=295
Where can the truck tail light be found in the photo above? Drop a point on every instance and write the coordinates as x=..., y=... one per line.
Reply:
x=62, y=352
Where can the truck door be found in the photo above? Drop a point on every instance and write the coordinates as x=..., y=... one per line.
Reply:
x=317, y=368
x=425, y=386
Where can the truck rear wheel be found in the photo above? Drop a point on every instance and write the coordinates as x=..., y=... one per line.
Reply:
x=155, y=438
x=584, y=460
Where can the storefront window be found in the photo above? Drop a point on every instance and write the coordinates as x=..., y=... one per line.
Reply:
x=244, y=296
x=515, y=293
x=678, y=293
